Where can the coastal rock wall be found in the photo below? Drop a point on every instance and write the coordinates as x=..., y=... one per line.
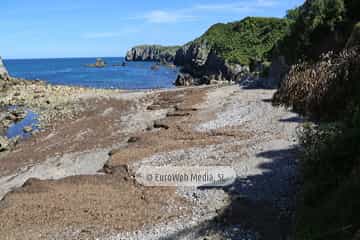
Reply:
x=155, y=53
x=3, y=71
x=233, y=52
x=202, y=65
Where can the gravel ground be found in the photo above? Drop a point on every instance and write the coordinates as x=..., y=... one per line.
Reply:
x=254, y=207
x=265, y=165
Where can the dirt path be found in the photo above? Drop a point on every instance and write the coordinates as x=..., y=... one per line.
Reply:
x=186, y=127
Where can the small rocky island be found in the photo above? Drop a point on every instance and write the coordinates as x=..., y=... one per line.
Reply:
x=100, y=63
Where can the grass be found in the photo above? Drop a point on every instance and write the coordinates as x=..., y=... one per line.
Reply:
x=162, y=49
x=251, y=38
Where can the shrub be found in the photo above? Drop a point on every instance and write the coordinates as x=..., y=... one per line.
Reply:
x=329, y=204
x=320, y=26
x=252, y=37
x=324, y=90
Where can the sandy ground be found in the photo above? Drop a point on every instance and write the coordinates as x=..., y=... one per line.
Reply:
x=76, y=179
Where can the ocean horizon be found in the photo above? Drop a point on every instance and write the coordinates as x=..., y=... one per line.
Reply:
x=74, y=72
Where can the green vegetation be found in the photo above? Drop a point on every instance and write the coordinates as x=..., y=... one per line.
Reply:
x=326, y=87
x=329, y=203
x=320, y=26
x=171, y=50
x=251, y=38
x=354, y=39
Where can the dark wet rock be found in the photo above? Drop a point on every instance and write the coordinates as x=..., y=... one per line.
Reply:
x=16, y=115
x=178, y=114
x=178, y=108
x=278, y=69
x=154, y=107
x=133, y=139
x=159, y=124
x=155, y=67
x=184, y=79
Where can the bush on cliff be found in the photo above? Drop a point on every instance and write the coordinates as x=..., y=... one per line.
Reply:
x=320, y=26
x=354, y=39
x=251, y=38
x=324, y=90
x=329, y=203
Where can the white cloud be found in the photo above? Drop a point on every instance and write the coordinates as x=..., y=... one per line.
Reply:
x=243, y=6
x=222, y=7
x=160, y=16
x=193, y=12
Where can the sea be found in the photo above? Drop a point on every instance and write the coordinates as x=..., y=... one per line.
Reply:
x=74, y=72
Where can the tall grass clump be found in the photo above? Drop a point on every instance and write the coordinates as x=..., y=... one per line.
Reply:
x=327, y=89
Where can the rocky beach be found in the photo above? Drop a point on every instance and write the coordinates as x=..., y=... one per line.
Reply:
x=93, y=141
x=250, y=131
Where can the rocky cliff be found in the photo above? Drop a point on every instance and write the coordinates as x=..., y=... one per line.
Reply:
x=155, y=53
x=3, y=71
x=202, y=65
x=230, y=52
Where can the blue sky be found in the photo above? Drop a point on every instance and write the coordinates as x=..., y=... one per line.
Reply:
x=89, y=28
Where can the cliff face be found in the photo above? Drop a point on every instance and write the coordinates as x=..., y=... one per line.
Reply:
x=226, y=52
x=235, y=51
x=202, y=65
x=155, y=53
x=3, y=71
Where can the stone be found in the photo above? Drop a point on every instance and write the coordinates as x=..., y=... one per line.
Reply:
x=16, y=115
x=178, y=114
x=184, y=79
x=4, y=144
x=133, y=139
x=27, y=129
x=159, y=124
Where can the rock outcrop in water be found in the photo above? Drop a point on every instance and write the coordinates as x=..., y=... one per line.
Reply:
x=100, y=63
x=155, y=53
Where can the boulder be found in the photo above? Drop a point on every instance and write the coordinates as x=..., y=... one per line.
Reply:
x=184, y=80
x=4, y=144
x=27, y=129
